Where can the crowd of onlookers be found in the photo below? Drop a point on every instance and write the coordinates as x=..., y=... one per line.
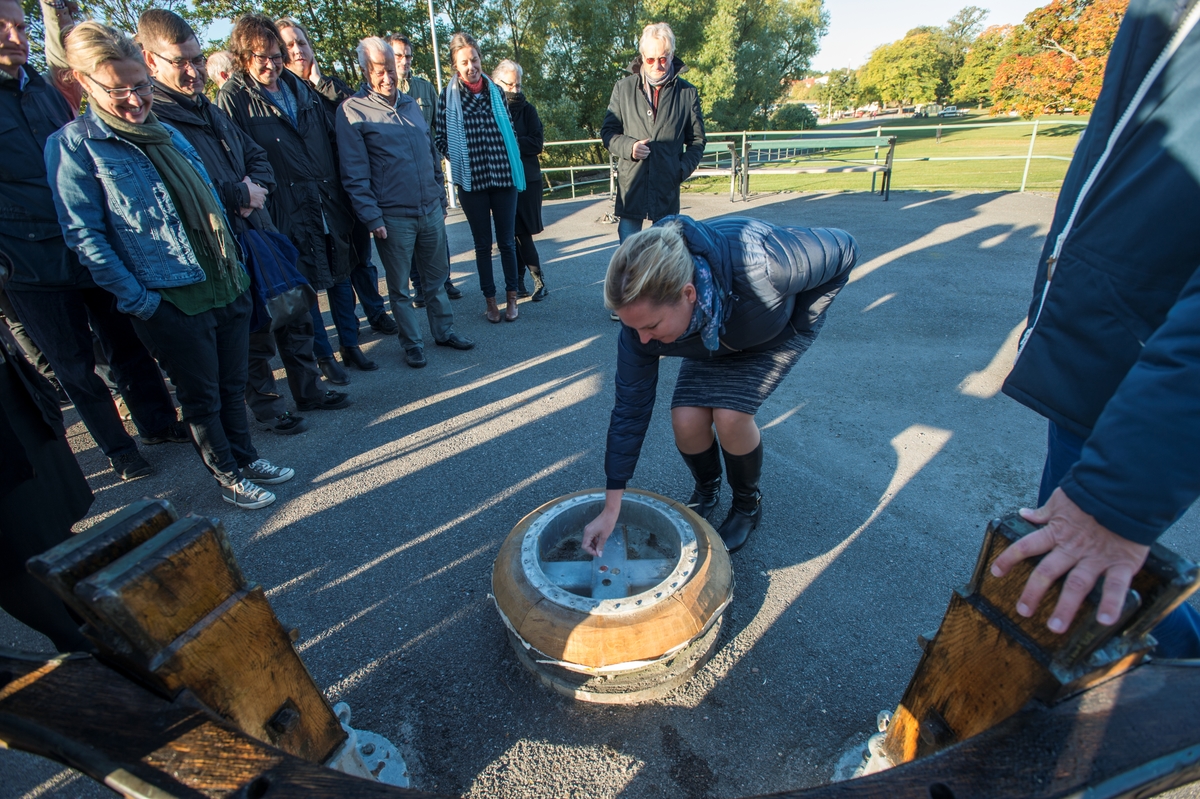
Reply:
x=161, y=228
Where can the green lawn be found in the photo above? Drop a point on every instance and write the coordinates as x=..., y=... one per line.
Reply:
x=1055, y=137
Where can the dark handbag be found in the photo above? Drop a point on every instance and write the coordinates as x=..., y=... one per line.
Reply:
x=281, y=294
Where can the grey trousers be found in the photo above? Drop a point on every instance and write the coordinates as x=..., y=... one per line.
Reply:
x=295, y=345
x=418, y=241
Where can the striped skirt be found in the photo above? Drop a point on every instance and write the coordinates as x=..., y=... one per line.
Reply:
x=741, y=381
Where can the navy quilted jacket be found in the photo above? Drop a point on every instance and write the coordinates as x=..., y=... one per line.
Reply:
x=777, y=283
x=1115, y=355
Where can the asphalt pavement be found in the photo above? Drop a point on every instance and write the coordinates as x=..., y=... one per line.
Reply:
x=888, y=449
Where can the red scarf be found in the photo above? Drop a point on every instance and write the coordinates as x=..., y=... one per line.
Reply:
x=476, y=87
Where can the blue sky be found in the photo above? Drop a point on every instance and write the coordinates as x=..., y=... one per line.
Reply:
x=856, y=27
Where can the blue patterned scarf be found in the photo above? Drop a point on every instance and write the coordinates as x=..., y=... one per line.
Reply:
x=456, y=136
x=706, y=315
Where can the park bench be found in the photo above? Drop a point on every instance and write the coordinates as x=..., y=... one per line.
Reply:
x=811, y=156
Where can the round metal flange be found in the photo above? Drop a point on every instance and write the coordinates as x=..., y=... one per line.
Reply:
x=625, y=627
x=648, y=557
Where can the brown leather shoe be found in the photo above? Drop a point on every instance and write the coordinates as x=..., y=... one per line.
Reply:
x=491, y=312
x=510, y=310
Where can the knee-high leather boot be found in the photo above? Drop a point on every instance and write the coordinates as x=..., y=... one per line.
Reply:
x=706, y=469
x=744, y=472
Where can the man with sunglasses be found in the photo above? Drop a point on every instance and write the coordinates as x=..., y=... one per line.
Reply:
x=53, y=293
x=655, y=129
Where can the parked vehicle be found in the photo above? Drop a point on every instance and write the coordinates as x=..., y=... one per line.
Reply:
x=949, y=111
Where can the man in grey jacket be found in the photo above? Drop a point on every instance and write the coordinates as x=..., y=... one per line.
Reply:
x=394, y=179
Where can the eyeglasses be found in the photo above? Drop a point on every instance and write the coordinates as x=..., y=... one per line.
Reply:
x=662, y=60
x=196, y=63
x=143, y=90
x=277, y=60
x=512, y=87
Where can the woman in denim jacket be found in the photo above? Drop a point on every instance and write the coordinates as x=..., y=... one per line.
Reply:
x=137, y=206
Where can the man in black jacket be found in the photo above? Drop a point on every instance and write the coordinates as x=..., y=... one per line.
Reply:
x=243, y=178
x=303, y=64
x=654, y=126
x=53, y=293
x=42, y=492
x=1111, y=353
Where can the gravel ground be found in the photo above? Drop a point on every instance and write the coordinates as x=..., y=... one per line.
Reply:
x=887, y=451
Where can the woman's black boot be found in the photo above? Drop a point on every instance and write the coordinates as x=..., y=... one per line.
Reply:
x=706, y=469
x=539, y=283
x=744, y=472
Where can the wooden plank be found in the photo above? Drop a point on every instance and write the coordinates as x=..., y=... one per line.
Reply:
x=239, y=661
x=156, y=592
x=1135, y=735
x=82, y=555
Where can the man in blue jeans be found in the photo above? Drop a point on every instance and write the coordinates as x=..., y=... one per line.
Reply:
x=1111, y=353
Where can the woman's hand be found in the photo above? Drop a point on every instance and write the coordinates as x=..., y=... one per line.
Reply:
x=600, y=528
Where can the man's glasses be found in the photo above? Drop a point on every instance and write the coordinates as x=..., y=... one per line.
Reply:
x=196, y=63
x=144, y=90
x=277, y=60
x=662, y=60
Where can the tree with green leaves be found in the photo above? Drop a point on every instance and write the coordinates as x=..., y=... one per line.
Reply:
x=916, y=69
x=973, y=83
x=840, y=90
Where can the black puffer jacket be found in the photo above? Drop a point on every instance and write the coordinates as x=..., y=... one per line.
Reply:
x=307, y=185
x=649, y=189
x=776, y=282
x=228, y=154
x=527, y=127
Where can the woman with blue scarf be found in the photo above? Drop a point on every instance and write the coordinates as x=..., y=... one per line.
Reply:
x=475, y=134
x=740, y=300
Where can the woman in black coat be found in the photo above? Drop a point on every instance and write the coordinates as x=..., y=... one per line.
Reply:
x=287, y=119
x=740, y=300
x=531, y=141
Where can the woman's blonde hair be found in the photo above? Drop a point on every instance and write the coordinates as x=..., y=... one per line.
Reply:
x=653, y=265
x=91, y=44
x=460, y=41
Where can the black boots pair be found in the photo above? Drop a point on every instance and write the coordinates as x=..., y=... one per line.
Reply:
x=744, y=473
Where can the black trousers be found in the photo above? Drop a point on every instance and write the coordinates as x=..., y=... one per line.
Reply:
x=61, y=322
x=294, y=343
x=207, y=357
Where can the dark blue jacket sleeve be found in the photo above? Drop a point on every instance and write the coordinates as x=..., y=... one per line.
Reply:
x=1140, y=468
x=637, y=381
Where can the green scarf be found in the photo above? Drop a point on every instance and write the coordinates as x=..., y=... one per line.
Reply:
x=203, y=219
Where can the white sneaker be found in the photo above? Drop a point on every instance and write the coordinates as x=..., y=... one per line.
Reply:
x=263, y=472
x=247, y=495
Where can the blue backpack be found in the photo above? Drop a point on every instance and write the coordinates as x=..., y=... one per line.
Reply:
x=281, y=294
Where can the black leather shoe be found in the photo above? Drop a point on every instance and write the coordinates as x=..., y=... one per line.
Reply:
x=418, y=300
x=453, y=291
x=522, y=292
x=739, y=524
x=415, y=358
x=333, y=371
x=353, y=356
x=331, y=401
x=456, y=341
x=384, y=324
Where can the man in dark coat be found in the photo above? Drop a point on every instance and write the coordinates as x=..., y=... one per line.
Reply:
x=654, y=126
x=52, y=292
x=308, y=205
x=1111, y=353
x=302, y=62
x=42, y=492
x=243, y=178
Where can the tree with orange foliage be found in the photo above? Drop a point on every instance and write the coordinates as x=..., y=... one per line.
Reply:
x=1058, y=57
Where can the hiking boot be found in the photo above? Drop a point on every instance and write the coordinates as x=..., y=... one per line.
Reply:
x=285, y=424
x=174, y=433
x=130, y=465
x=247, y=495
x=265, y=473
